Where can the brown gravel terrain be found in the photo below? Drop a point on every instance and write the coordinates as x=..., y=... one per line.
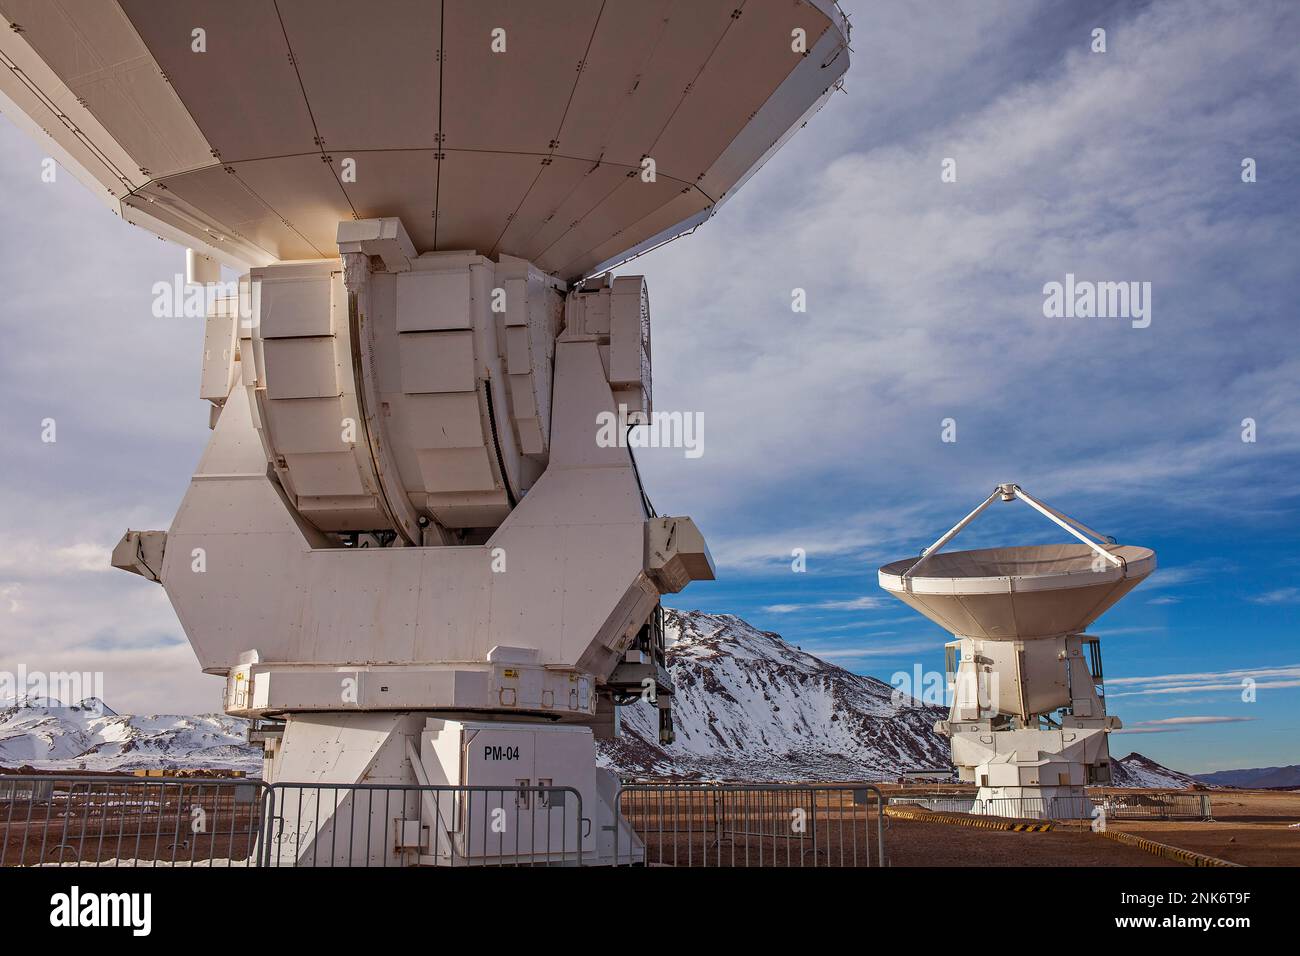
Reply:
x=1250, y=827
x=913, y=843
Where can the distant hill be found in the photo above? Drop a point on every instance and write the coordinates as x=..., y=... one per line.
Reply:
x=1135, y=770
x=1257, y=778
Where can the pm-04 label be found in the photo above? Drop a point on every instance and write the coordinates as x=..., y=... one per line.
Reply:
x=500, y=753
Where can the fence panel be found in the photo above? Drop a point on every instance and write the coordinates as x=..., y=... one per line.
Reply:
x=152, y=821
x=735, y=825
x=1114, y=806
x=411, y=825
x=128, y=821
x=1155, y=806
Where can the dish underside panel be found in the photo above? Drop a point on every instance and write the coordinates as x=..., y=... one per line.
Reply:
x=1019, y=592
x=535, y=151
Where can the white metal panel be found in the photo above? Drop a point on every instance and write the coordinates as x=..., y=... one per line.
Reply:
x=454, y=630
x=243, y=92
x=220, y=337
x=457, y=469
x=429, y=301
x=294, y=307
x=628, y=362
x=547, y=204
x=329, y=474
x=402, y=183
x=694, y=30
x=532, y=437
x=516, y=291
x=192, y=200
x=368, y=70
x=751, y=59
x=482, y=90
x=690, y=205
x=629, y=202
x=307, y=425
x=524, y=397
x=301, y=368
x=96, y=51
x=448, y=420
x=438, y=361
x=609, y=87
x=303, y=191
x=519, y=352
x=478, y=193
x=365, y=608
x=572, y=202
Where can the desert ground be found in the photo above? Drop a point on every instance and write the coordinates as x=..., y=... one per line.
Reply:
x=1250, y=827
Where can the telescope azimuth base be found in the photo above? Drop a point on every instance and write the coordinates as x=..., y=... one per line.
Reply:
x=404, y=513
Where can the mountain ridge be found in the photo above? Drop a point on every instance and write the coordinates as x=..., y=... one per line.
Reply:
x=749, y=706
x=1255, y=778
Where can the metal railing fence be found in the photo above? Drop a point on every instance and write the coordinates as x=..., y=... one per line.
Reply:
x=125, y=821
x=750, y=825
x=413, y=825
x=942, y=804
x=1155, y=806
x=1114, y=806
x=81, y=820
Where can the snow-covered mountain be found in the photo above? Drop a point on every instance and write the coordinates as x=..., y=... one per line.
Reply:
x=46, y=735
x=749, y=706
x=1136, y=770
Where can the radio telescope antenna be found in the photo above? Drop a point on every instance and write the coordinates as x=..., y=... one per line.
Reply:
x=1028, y=721
x=406, y=533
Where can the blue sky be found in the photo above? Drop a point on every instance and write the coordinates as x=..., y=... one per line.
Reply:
x=823, y=429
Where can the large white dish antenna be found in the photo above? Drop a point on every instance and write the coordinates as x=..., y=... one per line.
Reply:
x=1017, y=593
x=513, y=127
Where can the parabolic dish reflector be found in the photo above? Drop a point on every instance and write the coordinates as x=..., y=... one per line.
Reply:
x=535, y=150
x=1021, y=592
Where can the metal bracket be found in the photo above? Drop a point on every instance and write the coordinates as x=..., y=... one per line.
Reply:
x=1009, y=492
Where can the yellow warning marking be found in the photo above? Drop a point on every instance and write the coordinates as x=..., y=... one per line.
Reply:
x=1175, y=853
x=969, y=820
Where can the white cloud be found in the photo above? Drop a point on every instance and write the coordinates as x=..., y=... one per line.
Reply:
x=1280, y=596
x=864, y=603
x=42, y=559
x=839, y=652
x=1176, y=725
x=925, y=298
x=1171, y=721
x=1238, y=680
